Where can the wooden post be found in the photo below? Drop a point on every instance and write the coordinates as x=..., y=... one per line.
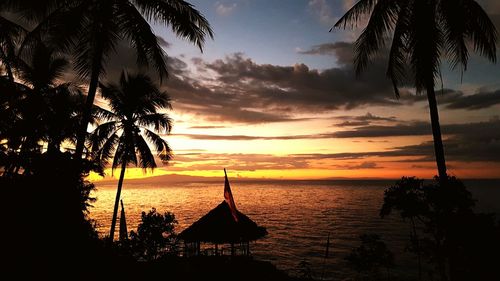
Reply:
x=232, y=249
x=248, y=248
x=216, y=249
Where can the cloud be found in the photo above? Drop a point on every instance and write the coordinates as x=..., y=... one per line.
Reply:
x=224, y=9
x=236, y=162
x=253, y=162
x=479, y=141
x=207, y=127
x=343, y=51
x=371, y=131
x=322, y=11
x=352, y=124
x=476, y=101
x=471, y=142
x=236, y=89
x=362, y=120
x=362, y=166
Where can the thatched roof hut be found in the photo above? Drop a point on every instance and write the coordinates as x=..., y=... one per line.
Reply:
x=219, y=227
x=223, y=225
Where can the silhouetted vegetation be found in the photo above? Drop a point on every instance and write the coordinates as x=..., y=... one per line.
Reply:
x=421, y=33
x=134, y=111
x=155, y=236
x=372, y=260
x=44, y=118
x=304, y=270
x=458, y=243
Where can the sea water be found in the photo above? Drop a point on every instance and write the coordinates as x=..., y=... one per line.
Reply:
x=299, y=216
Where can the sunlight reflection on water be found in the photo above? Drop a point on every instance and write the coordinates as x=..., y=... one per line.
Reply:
x=298, y=216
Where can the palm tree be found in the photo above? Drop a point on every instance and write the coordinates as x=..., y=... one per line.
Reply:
x=91, y=29
x=10, y=35
x=422, y=32
x=134, y=104
x=50, y=110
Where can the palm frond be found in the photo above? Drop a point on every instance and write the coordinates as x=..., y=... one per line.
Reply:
x=57, y=68
x=102, y=133
x=397, y=64
x=455, y=33
x=376, y=33
x=161, y=122
x=425, y=43
x=161, y=146
x=113, y=94
x=353, y=15
x=106, y=151
x=185, y=20
x=144, y=41
x=97, y=39
x=10, y=35
x=103, y=114
x=146, y=158
x=481, y=30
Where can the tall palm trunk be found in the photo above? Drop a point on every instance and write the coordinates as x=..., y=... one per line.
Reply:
x=117, y=201
x=80, y=139
x=436, y=133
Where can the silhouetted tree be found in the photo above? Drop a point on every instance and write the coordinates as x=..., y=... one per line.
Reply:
x=304, y=271
x=369, y=257
x=155, y=235
x=461, y=244
x=10, y=36
x=134, y=104
x=91, y=29
x=422, y=31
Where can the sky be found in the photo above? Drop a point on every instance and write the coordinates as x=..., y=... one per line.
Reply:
x=274, y=95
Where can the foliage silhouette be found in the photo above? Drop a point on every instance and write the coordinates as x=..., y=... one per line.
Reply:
x=369, y=257
x=134, y=104
x=460, y=244
x=155, y=236
x=422, y=32
x=90, y=31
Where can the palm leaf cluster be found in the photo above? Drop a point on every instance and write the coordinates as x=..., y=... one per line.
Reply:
x=132, y=122
x=41, y=40
x=418, y=35
x=40, y=111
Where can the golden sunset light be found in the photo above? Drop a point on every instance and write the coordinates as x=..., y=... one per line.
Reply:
x=311, y=140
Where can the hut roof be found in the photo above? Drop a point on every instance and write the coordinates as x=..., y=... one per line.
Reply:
x=219, y=226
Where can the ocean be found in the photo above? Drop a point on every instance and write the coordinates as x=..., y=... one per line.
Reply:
x=299, y=216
